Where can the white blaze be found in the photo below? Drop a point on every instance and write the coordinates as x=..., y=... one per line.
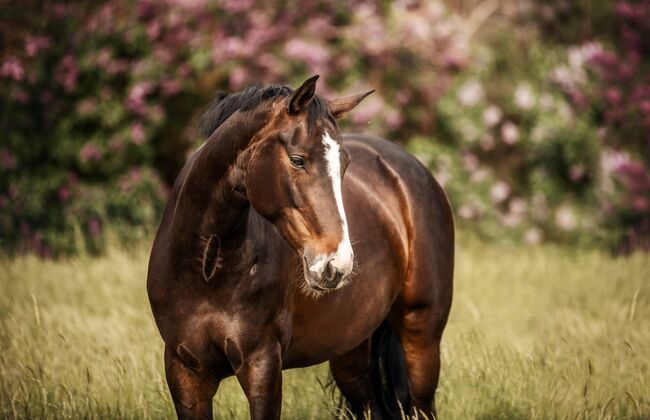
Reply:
x=343, y=257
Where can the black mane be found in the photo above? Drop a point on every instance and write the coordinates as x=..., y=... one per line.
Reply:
x=224, y=105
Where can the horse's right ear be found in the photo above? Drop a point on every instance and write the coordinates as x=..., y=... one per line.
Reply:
x=303, y=95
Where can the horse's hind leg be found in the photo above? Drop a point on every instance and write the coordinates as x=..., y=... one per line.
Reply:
x=191, y=393
x=421, y=349
x=351, y=373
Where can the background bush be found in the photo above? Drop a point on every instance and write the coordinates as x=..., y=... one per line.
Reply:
x=534, y=114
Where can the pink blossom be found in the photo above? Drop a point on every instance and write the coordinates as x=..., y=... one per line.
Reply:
x=533, y=236
x=136, y=101
x=565, y=218
x=12, y=68
x=613, y=95
x=492, y=116
x=394, y=119
x=511, y=219
x=34, y=44
x=487, y=142
x=641, y=204
x=94, y=227
x=64, y=193
x=499, y=192
x=312, y=53
x=170, y=87
x=13, y=191
x=153, y=30
x=509, y=133
x=137, y=133
x=467, y=212
x=67, y=73
x=87, y=106
x=104, y=57
x=470, y=93
x=90, y=153
x=576, y=172
x=20, y=96
x=116, y=143
x=470, y=162
x=238, y=77
x=367, y=110
x=236, y=6
x=7, y=160
x=524, y=97
x=60, y=9
x=644, y=106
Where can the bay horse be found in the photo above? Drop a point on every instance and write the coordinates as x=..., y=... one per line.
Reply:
x=269, y=258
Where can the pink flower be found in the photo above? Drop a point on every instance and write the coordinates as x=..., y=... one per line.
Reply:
x=576, y=172
x=533, y=236
x=137, y=133
x=170, y=87
x=86, y=106
x=467, y=212
x=90, y=153
x=94, y=227
x=565, y=219
x=67, y=73
x=136, y=101
x=7, y=160
x=524, y=97
x=470, y=93
x=500, y=192
x=492, y=116
x=20, y=96
x=12, y=68
x=312, y=53
x=470, y=162
x=613, y=95
x=64, y=193
x=34, y=44
x=116, y=143
x=238, y=77
x=367, y=110
x=509, y=133
x=235, y=6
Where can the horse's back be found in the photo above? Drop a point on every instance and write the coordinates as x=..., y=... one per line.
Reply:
x=417, y=206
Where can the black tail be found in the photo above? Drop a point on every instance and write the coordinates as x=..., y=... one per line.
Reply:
x=388, y=378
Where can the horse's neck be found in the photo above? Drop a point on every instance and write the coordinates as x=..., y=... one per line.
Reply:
x=208, y=202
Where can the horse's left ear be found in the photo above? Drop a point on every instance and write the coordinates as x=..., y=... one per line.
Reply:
x=342, y=105
x=303, y=95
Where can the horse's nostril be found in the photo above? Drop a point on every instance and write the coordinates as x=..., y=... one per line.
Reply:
x=330, y=272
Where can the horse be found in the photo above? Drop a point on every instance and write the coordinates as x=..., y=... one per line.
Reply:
x=285, y=244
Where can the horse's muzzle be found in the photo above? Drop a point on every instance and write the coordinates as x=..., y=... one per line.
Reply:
x=325, y=274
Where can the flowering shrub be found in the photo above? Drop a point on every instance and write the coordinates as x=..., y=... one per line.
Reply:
x=613, y=84
x=516, y=159
x=553, y=143
x=100, y=101
x=97, y=96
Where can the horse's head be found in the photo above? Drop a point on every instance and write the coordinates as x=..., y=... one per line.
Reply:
x=294, y=178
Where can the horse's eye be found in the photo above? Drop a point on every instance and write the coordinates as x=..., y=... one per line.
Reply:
x=297, y=161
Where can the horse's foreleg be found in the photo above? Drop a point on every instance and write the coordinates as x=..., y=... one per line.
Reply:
x=351, y=373
x=260, y=376
x=192, y=394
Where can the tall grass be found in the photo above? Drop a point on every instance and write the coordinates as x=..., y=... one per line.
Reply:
x=534, y=333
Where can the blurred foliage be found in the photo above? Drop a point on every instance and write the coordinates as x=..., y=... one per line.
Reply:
x=534, y=114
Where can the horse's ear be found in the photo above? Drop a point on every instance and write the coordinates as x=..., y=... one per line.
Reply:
x=340, y=106
x=301, y=97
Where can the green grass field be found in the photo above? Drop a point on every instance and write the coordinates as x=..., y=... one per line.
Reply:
x=534, y=333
